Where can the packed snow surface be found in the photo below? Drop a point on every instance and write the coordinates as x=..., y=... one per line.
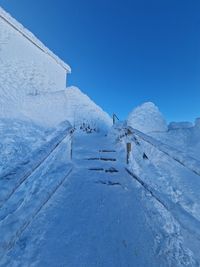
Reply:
x=147, y=118
x=101, y=216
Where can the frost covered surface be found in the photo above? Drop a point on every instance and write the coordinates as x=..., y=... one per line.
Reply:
x=180, y=125
x=40, y=163
x=147, y=118
x=70, y=104
x=30, y=196
x=18, y=140
x=18, y=26
x=26, y=149
x=173, y=179
x=185, y=139
x=103, y=213
x=26, y=69
x=81, y=109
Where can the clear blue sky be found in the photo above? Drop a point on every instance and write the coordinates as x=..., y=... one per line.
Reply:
x=123, y=53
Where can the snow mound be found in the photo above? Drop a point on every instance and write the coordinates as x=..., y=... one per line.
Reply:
x=81, y=111
x=180, y=125
x=197, y=123
x=18, y=139
x=182, y=137
x=147, y=118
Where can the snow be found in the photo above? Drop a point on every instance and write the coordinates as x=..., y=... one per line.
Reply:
x=171, y=178
x=25, y=69
x=147, y=118
x=184, y=139
x=180, y=125
x=99, y=218
x=30, y=183
x=17, y=140
x=197, y=123
x=71, y=198
x=6, y=17
x=26, y=146
x=81, y=109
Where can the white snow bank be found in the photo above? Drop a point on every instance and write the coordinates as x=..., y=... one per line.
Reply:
x=30, y=196
x=40, y=163
x=172, y=179
x=180, y=125
x=197, y=123
x=25, y=145
x=18, y=139
x=81, y=110
x=185, y=139
x=48, y=109
x=147, y=118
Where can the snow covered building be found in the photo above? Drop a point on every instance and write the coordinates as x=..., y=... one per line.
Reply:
x=33, y=82
x=27, y=67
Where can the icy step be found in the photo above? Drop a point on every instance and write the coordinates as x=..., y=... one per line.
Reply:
x=107, y=151
x=96, y=169
x=104, y=159
x=110, y=170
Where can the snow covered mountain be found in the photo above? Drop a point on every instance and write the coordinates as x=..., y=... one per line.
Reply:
x=147, y=118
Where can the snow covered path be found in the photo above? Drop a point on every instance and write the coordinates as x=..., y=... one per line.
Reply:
x=100, y=217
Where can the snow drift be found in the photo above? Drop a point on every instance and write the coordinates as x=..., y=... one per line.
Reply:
x=147, y=118
x=82, y=110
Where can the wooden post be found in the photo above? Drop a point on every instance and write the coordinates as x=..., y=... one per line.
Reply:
x=71, y=147
x=113, y=118
x=128, y=151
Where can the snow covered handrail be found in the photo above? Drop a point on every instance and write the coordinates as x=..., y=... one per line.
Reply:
x=35, y=190
x=114, y=118
x=29, y=166
x=177, y=155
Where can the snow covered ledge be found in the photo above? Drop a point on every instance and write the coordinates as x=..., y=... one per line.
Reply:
x=27, y=67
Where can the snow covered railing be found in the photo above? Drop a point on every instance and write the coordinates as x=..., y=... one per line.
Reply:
x=184, y=218
x=14, y=178
x=33, y=192
x=179, y=156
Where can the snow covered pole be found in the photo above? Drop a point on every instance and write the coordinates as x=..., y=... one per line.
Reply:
x=128, y=151
x=114, y=118
x=71, y=142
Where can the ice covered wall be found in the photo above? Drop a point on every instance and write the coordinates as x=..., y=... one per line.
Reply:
x=147, y=118
x=25, y=70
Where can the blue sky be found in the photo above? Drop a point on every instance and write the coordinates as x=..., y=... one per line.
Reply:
x=124, y=53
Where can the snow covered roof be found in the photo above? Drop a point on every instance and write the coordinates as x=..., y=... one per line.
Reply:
x=31, y=38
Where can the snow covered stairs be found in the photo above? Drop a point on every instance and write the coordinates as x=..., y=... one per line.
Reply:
x=111, y=169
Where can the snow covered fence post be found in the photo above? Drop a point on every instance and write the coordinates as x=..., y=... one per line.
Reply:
x=71, y=148
x=71, y=142
x=128, y=151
